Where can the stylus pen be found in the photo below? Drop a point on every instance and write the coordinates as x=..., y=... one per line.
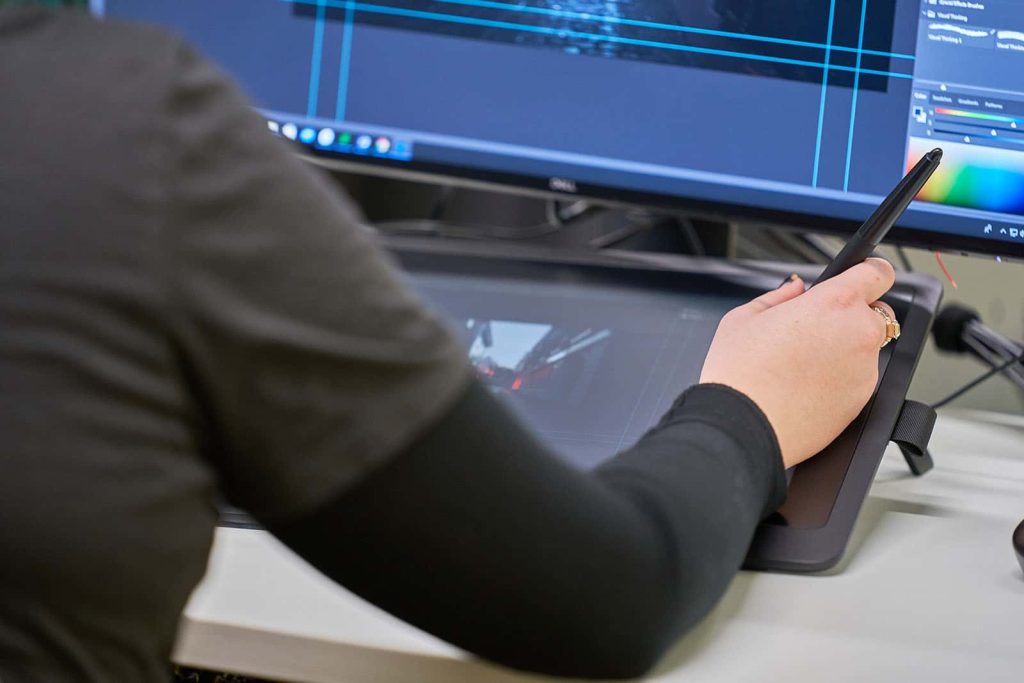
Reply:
x=878, y=225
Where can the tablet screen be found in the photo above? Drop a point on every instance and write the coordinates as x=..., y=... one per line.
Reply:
x=589, y=368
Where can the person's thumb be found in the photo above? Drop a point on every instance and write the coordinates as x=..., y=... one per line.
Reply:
x=790, y=289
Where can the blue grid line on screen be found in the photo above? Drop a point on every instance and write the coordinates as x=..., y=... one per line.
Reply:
x=650, y=375
x=346, y=61
x=315, y=59
x=669, y=376
x=824, y=93
x=624, y=21
x=566, y=33
x=583, y=437
x=853, y=104
x=611, y=438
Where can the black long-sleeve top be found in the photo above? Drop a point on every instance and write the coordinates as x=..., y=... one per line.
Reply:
x=481, y=537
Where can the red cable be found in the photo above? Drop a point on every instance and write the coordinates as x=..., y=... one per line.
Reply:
x=945, y=271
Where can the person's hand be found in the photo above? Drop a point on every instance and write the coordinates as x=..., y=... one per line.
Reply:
x=809, y=360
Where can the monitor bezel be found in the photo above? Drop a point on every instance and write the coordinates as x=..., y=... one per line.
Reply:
x=540, y=187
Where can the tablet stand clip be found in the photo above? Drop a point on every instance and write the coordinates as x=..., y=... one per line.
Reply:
x=912, y=433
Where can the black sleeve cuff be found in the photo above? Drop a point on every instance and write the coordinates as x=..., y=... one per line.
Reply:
x=734, y=414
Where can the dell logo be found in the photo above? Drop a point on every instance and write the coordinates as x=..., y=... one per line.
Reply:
x=562, y=185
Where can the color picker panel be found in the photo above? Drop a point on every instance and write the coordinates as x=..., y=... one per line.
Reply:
x=973, y=176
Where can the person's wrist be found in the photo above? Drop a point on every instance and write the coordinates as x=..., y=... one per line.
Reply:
x=740, y=417
x=770, y=411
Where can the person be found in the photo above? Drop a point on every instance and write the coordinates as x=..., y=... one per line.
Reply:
x=188, y=310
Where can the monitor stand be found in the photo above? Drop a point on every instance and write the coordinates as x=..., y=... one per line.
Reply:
x=578, y=225
x=406, y=208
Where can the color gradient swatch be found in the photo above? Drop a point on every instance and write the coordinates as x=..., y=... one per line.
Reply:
x=1013, y=121
x=973, y=176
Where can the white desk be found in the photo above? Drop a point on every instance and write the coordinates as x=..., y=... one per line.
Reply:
x=929, y=591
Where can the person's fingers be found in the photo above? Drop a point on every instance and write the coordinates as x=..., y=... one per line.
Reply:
x=868, y=280
x=791, y=289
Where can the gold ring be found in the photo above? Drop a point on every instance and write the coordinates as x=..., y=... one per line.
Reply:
x=892, y=327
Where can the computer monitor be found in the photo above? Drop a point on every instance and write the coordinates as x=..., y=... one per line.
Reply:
x=785, y=111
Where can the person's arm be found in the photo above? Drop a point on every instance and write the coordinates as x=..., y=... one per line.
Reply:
x=480, y=536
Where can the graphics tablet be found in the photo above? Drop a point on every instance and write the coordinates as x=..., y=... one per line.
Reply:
x=590, y=349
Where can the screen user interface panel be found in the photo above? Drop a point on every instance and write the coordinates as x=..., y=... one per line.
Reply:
x=811, y=109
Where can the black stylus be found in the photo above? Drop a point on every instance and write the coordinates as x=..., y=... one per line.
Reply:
x=878, y=225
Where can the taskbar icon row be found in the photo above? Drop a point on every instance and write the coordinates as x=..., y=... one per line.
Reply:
x=1004, y=231
x=343, y=141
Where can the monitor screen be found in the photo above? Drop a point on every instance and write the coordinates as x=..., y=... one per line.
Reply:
x=789, y=111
